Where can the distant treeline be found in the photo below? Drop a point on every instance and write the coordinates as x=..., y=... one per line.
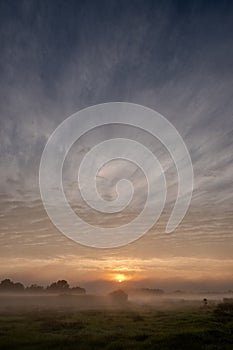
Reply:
x=145, y=291
x=60, y=286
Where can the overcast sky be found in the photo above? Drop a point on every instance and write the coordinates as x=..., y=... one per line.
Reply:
x=176, y=57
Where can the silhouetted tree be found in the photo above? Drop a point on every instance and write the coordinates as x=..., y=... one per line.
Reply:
x=59, y=286
x=7, y=285
x=18, y=287
x=145, y=291
x=119, y=296
x=35, y=288
x=78, y=290
x=205, y=302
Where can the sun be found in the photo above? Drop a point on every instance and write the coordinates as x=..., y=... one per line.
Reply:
x=120, y=277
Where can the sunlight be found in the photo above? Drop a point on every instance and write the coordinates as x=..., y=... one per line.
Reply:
x=120, y=278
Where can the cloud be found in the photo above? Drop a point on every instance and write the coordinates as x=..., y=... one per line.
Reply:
x=139, y=59
x=58, y=58
x=97, y=274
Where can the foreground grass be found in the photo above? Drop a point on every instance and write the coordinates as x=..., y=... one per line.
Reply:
x=163, y=330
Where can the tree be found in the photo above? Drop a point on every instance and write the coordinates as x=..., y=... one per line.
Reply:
x=35, y=288
x=18, y=287
x=7, y=285
x=78, y=290
x=119, y=296
x=59, y=286
x=205, y=302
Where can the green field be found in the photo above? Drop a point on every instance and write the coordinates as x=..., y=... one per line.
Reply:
x=200, y=328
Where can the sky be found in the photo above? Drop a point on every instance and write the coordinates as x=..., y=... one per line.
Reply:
x=176, y=57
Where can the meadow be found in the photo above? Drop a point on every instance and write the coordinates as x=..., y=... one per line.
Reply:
x=128, y=327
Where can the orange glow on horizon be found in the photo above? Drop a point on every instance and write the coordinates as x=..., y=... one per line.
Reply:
x=120, y=277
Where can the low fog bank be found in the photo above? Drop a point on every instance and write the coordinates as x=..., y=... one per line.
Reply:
x=11, y=302
x=60, y=295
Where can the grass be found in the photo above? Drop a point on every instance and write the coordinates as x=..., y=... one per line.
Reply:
x=190, y=329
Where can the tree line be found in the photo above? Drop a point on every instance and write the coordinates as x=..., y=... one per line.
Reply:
x=61, y=286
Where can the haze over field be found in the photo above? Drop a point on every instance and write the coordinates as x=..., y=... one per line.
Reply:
x=58, y=57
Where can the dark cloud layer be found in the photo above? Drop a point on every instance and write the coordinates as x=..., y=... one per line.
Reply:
x=58, y=57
